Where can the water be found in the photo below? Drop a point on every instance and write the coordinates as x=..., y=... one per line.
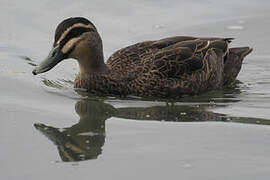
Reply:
x=50, y=131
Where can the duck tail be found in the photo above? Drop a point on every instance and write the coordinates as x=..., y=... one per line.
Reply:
x=233, y=63
x=241, y=51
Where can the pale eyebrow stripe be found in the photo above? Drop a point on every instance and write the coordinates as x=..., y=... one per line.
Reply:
x=64, y=34
x=69, y=44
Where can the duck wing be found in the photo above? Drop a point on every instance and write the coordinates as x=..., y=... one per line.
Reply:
x=133, y=55
x=169, y=57
x=185, y=57
x=128, y=57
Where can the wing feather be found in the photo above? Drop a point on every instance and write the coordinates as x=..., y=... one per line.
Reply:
x=169, y=57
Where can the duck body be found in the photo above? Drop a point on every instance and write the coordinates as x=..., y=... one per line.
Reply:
x=166, y=68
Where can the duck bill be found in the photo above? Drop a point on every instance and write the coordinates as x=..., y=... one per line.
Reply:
x=55, y=56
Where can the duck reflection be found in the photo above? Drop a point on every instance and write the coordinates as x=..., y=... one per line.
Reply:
x=85, y=139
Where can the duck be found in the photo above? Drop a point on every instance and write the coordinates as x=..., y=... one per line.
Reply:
x=171, y=67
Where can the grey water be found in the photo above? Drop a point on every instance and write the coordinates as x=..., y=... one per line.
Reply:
x=50, y=131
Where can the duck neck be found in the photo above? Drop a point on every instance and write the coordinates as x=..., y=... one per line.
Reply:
x=92, y=61
x=92, y=64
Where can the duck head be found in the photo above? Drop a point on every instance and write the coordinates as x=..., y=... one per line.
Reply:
x=75, y=38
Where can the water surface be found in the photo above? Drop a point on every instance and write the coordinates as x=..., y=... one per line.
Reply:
x=50, y=131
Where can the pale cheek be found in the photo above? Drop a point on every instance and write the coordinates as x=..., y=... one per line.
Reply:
x=81, y=50
x=77, y=52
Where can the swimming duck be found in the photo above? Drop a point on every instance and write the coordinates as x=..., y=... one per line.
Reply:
x=165, y=68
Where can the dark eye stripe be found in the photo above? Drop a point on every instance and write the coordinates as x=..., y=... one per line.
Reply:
x=75, y=32
x=72, y=48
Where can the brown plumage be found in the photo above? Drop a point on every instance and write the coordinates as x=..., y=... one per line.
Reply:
x=166, y=68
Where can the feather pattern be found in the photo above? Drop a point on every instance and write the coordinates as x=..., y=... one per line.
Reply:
x=170, y=67
x=165, y=68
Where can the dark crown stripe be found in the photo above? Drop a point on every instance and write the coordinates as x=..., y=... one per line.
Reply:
x=75, y=32
x=64, y=25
